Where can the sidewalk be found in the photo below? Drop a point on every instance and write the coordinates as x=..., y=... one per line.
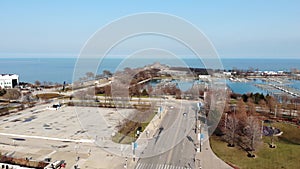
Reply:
x=206, y=159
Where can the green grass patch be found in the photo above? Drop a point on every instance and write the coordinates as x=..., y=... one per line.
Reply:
x=123, y=139
x=285, y=155
x=127, y=132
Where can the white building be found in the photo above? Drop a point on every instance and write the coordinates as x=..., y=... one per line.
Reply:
x=204, y=76
x=12, y=166
x=9, y=80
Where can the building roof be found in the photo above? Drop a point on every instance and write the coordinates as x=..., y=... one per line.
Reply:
x=8, y=76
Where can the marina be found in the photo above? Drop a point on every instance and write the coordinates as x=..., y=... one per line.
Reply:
x=272, y=86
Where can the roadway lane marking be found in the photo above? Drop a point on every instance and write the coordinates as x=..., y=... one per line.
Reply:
x=142, y=165
x=173, y=143
x=158, y=166
x=48, y=138
x=138, y=165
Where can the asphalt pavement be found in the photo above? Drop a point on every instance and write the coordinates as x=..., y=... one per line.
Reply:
x=172, y=145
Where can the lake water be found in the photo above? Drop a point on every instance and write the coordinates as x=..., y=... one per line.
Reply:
x=61, y=69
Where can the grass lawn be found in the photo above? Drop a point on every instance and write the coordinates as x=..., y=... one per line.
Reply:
x=46, y=96
x=285, y=155
x=124, y=139
x=126, y=135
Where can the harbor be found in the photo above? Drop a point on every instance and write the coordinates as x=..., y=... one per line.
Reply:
x=272, y=86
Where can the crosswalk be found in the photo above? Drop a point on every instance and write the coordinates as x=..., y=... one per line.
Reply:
x=158, y=166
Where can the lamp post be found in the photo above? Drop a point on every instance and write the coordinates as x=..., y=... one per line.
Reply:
x=200, y=130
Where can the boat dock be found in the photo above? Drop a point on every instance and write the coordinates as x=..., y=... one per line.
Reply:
x=279, y=89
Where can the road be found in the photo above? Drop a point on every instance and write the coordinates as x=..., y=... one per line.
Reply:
x=172, y=146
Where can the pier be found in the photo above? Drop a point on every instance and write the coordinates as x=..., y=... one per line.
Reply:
x=277, y=89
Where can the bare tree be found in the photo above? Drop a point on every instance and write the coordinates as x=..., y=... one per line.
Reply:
x=37, y=83
x=87, y=94
x=89, y=75
x=107, y=94
x=231, y=129
x=262, y=104
x=252, y=133
x=284, y=98
x=241, y=111
x=290, y=108
x=271, y=103
x=120, y=94
x=251, y=106
x=45, y=83
x=107, y=73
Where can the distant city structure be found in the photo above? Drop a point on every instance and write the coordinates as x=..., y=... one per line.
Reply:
x=9, y=80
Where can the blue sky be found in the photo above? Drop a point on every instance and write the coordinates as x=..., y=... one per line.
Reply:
x=237, y=28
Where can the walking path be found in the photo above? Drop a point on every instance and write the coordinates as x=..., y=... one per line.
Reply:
x=206, y=159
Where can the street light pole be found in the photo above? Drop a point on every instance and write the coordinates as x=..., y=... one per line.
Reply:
x=196, y=116
x=200, y=137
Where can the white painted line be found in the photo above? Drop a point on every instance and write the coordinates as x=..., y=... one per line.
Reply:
x=48, y=138
x=143, y=165
x=138, y=165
